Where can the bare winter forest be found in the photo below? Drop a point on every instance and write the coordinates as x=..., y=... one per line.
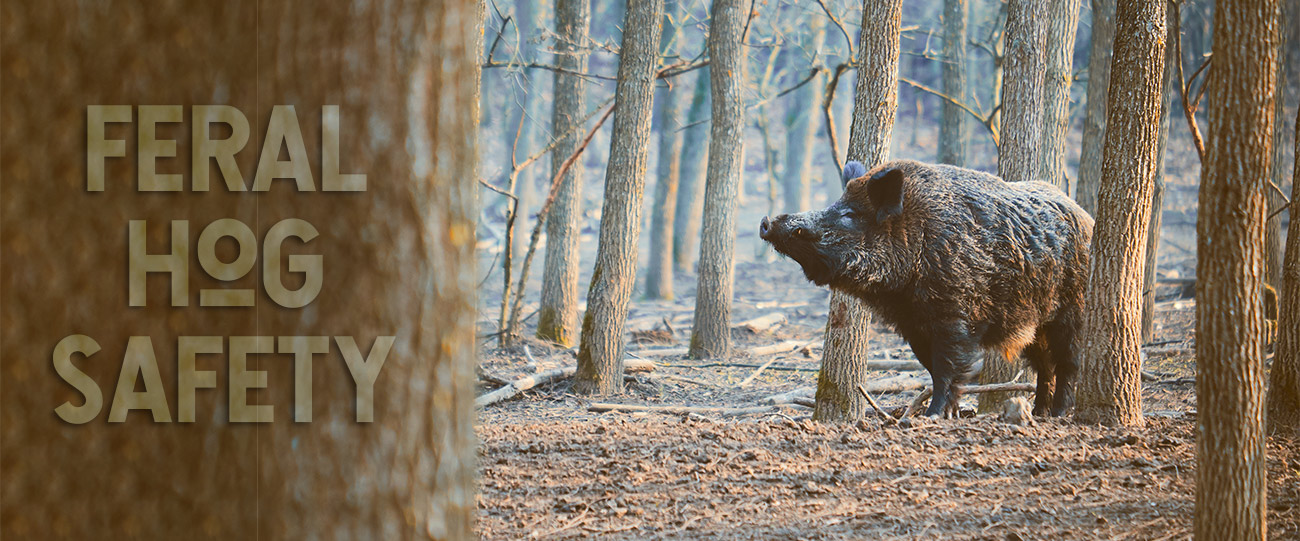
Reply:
x=651, y=367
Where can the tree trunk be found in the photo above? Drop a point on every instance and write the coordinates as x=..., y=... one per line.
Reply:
x=1273, y=227
x=1230, y=469
x=1064, y=19
x=600, y=354
x=1094, y=123
x=1019, y=147
x=557, y=317
x=659, y=270
x=410, y=74
x=690, y=188
x=952, y=130
x=1158, y=194
x=1284, y=382
x=521, y=134
x=1110, y=386
x=711, y=335
x=848, y=324
x=804, y=113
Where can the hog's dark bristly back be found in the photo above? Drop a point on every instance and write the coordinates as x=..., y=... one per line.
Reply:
x=957, y=261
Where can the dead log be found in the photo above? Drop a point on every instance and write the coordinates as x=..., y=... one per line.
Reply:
x=528, y=382
x=764, y=323
x=599, y=407
x=892, y=384
x=969, y=389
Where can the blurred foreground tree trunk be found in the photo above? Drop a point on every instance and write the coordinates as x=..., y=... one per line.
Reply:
x=1020, y=143
x=875, y=104
x=1110, y=385
x=600, y=354
x=1230, y=468
x=403, y=75
x=952, y=130
x=1284, y=380
x=557, y=317
x=711, y=334
x=1057, y=80
x=1094, y=122
x=690, y=185
x=659, y=269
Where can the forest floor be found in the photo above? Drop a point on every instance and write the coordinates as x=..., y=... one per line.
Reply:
x=550, y=468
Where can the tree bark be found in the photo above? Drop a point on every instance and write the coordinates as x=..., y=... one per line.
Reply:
x=1019, y=146
x=690, y=188
x=557, y=317
x=803, y=114
x=1110, y=385
x=1158, y=194
x=848, y=324
x=1273, y=239
x=659, y=270
x=600, y=354
x=1094, y=123
x=952, y=130
x=410, y=72
x=1284, y=380
x=521, y=134
x=711, y=335
x=1230, y=469
x=1057, y=79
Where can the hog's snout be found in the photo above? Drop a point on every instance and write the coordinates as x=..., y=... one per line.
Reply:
x=770, y=228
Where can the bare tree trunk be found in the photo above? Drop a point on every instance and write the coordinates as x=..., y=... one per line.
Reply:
x=1110, y=386
x=1064, y=21
x=1158, y=194
x=803, y=114
x=848, y=324
x=711, y=335
x=659, y=270
x=1284, y=380
x=1094, y=123
x=407, y=474
x=952, y=130
x=521, y=134
x=557, y=317
x=1273, y=227
x=1019, y=146
x=690, y=189
x=600, y=354
x=1230, y=469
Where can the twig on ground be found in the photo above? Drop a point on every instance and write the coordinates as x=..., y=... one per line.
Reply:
x=887, y=417
x=528, y=382
x=599, y=407
x=760, y=370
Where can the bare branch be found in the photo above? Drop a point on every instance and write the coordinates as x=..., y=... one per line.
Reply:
x=847, y=40
x=1189, y=110
x=985, y=120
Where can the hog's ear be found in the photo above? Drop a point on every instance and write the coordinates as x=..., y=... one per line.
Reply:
x=852, y=170
x=886, y=192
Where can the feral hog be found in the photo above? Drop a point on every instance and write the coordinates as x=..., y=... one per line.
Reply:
x=965, y=266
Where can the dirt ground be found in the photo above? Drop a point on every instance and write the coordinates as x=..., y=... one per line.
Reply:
x=549, y=468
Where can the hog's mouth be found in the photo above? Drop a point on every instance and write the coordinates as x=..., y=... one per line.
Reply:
x=799, y=245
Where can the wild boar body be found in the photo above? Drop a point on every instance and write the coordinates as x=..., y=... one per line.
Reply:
x=965, y=266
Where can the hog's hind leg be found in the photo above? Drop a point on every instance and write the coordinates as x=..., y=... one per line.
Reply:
x=1039, y=357
x=1065, y=358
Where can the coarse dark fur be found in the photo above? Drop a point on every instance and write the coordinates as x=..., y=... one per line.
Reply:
x=965, y=266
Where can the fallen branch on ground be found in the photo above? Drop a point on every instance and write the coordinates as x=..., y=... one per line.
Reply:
x=887, y=417
x=892, y=384
x=969, y=389
x=599, y=407
x=528, y=382
x=767, y=322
